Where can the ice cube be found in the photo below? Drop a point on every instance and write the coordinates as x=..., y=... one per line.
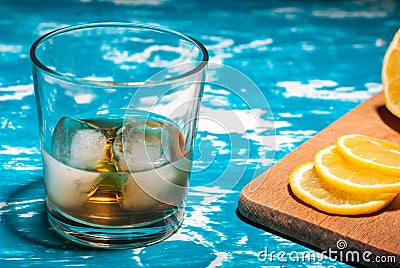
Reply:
x=79, y=144
x=135, y=199
x=165, y=185
x=141, y=146
x=66, y=186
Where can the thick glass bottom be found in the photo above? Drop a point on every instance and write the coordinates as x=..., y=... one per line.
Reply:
x=115, y=237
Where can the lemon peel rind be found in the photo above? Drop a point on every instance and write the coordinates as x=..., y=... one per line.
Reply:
x=373, y=166
x=344, y=210
x=346, y=185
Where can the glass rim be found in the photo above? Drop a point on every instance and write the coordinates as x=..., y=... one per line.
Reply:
x=201, y=64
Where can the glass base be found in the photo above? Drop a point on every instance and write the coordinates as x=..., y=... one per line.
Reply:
x=115, y=237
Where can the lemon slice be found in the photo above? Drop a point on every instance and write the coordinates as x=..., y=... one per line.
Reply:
x=311, y=189
x=335, y=170
x=391, y=75
x=373, y=154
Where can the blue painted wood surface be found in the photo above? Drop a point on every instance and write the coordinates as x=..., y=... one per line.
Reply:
x=313, y=61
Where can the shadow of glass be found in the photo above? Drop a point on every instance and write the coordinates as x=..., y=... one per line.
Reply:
x=26, y=216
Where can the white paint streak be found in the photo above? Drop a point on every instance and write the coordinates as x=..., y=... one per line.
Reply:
x=27, y=215
x=259, y=45
x=220, y=259
x=17, y=92
x=8, y=150
x=10, y=48
x=325, y=90
x=243, y=240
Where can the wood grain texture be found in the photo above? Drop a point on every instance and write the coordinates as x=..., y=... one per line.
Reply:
x=273, y=205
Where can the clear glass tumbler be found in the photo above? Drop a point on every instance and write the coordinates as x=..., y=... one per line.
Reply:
x=117, y=106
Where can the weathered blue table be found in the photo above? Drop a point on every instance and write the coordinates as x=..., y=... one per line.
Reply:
x=313, y=61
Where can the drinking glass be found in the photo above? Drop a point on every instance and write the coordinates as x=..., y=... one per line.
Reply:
x=117, y=105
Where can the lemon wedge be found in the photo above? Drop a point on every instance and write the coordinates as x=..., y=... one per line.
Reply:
x=391, y=75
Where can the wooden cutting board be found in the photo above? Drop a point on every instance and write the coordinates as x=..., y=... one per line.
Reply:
x=267, y=200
